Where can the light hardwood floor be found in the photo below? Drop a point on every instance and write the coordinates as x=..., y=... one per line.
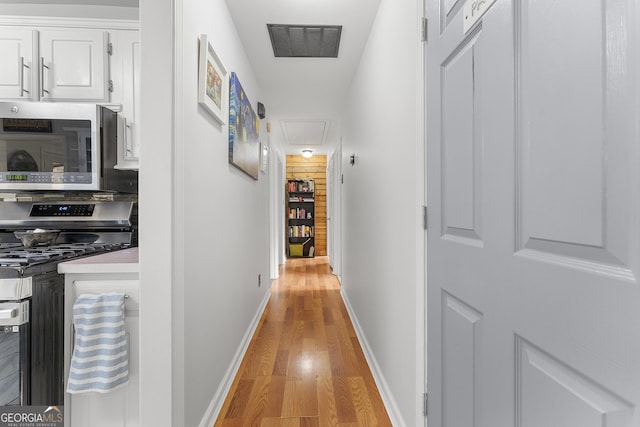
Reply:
x=304, y=366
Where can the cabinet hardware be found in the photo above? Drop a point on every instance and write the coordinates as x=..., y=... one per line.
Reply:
x=425, y=218
x=425, y=408
x=42, y=67
x=424, y=30
x=22, y=67
x=127, y=129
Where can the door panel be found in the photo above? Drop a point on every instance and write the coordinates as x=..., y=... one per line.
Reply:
x=551, y=393
x=461, y=146
x=451, y=8
x=74, y=65
x=533, y=154
x=461, y=350
x=16, y=63
x=570, y=101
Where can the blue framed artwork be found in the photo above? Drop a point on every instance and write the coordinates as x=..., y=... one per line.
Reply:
x=244, y=128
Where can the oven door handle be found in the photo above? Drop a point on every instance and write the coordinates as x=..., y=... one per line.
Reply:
x=9, y=313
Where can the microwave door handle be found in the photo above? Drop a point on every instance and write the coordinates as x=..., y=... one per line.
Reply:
x=8, y=313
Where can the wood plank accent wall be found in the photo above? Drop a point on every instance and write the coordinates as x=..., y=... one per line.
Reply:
x=314, y=168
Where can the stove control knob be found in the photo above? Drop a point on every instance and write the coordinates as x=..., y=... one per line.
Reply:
x=15, y=109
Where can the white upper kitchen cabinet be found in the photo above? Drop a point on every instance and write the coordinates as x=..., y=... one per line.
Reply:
x=17, y=53
x=74, y=65
x=76, y=60
x=125, y=72
x=54, y=64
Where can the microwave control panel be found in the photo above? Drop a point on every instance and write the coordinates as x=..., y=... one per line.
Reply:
x=45, y=177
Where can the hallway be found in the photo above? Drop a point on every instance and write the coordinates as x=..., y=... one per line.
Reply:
x=304, y=365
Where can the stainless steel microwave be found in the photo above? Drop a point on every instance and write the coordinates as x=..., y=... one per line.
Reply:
x=60, y=146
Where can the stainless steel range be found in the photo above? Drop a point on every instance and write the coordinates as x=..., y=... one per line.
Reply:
x=32, y=292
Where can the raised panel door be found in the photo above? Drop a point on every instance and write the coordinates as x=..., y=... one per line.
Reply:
x=533, y=151
x=16, y=63
x=121, y=406
x=74, y=65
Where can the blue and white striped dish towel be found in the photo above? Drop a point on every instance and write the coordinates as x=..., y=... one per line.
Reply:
x=100, y=360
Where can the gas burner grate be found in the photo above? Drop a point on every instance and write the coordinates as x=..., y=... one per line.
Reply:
x=35, y=259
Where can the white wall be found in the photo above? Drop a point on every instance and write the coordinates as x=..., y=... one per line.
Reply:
x=219, y=242
x=224, y=222
x=381, y=203
x=159, y=322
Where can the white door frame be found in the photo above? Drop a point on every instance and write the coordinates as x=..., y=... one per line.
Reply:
x=334, y=211
x=275, y=212
x=281, y=205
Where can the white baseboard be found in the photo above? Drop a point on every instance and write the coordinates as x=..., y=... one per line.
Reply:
x=215, y=406
x=381, y=383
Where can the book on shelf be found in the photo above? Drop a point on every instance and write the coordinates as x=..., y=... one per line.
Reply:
x=299, y=213
x=300, y=231
x=303, y=186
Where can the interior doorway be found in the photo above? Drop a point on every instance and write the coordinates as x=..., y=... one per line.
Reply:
x=306, y=201
x=334, y=211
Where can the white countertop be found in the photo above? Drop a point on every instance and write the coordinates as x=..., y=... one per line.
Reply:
x=123, y=261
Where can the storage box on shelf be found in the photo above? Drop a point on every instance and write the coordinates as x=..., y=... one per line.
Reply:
x=300, y=218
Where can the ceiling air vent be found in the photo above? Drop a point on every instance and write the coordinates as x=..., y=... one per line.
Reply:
x=305, y=41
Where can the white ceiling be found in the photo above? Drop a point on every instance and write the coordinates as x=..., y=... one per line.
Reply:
x=304, y=97
x=305, y=133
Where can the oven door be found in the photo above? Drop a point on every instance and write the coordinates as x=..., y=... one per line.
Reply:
x=15, y=370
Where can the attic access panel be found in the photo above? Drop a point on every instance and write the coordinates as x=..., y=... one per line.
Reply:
x=305, y=41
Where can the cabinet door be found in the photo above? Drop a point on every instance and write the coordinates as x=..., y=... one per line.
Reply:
x=74, y=65
x=16, y=63
x=126, y=76
x=119, y=407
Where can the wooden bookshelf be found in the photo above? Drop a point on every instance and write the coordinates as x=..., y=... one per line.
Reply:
x=315, y=168
x=300, y=218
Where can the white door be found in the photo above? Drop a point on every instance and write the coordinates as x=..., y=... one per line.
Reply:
x=533, y=123
x=74, y=65
x=16, y=63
